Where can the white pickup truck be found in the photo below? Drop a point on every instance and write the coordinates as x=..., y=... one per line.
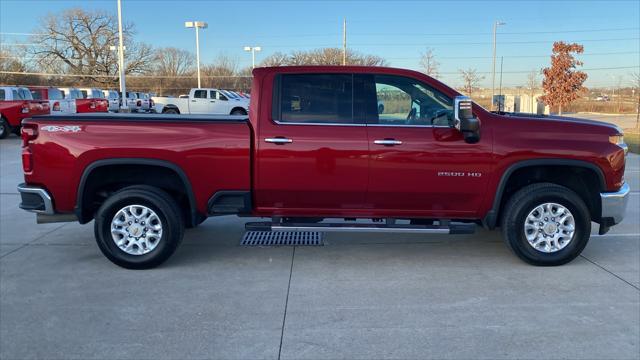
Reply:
x=202, y=101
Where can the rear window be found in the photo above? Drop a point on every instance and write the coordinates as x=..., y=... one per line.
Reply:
x=36, y=94
x=25, y=94
x=315, y=98
x=55, y=94
x=84, y=94
x=2, y=95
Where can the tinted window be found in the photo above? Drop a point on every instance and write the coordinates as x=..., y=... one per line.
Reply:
x=36, y=94
x=55, y=94
x=316, y=98
x=2, y=95
x=25, y=94
x=405, y=101
x=200, y=94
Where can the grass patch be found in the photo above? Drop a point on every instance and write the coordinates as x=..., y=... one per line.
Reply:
x=632, y=138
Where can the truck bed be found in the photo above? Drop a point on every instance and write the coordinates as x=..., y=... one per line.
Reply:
x=211, y=152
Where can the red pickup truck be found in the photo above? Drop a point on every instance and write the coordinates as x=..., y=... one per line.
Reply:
x=317, y=146
x=16, y=104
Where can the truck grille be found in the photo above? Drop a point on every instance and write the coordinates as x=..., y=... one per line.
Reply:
x=282, y=238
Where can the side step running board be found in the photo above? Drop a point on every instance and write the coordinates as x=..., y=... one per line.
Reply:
x=453, y=229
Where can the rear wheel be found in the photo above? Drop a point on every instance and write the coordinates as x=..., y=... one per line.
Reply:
x=238, y=112
x=5, y=129
x=546, y=224
x=170, y=111
x=139, y=227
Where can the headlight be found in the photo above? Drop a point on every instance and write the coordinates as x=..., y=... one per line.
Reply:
x=619, y=140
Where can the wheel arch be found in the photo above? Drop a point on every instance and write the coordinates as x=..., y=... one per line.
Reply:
x=82, y=208
x=491, y=219
x=170, y=107
x=240, y=108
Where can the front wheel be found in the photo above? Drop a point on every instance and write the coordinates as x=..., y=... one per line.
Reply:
x=546, y=224
x=139, y=227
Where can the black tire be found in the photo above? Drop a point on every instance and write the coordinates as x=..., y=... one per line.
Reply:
x=170, y=111
x=16, y=130
x=523, y=202
x=238, y=112
x=155, y=199
x=5, y=128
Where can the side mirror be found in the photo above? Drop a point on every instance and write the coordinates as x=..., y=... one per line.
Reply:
x=464, y=121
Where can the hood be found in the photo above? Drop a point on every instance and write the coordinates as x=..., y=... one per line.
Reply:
x=561, y=121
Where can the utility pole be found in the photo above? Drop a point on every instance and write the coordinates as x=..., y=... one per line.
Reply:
x=123, y=86
x=493, y=73
x=197, y=24
x=344, y=42
x=501, y=104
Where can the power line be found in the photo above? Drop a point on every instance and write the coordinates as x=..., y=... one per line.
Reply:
x=501, y=33
x=516, y=56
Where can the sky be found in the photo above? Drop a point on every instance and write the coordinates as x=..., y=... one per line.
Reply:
x=459, y=32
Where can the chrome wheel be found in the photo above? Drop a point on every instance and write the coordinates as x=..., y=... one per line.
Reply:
x=136, y=229
x=549, y=227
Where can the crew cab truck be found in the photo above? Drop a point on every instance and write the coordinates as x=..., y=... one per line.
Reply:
x=87, y=100
x=203, y=101
x=17, y=103
x=316, y=147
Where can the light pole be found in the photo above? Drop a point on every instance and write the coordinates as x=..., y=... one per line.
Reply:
x=253, y=50
x=493, y=73
x=197, y=25
x=123, y=86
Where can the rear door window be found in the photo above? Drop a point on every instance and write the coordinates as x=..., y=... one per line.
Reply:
x=55, y=94
x=315, y=99
x=2, y=95
x=200, y=94
x=36, y=94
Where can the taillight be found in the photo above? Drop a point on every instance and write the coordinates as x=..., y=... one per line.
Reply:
x=139, y=103
x=93, y=105
x=27, y=160
x=25, y=108
x=29, y=132
x=151, y=103
x=56, y=106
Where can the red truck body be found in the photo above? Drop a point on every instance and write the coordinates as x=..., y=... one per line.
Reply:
x=325, y=171
x=14, y=110
x=92, y=106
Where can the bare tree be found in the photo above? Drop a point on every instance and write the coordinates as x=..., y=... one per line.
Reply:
x=470, y=80
x=78, y=42
x=323, y=56
x=11, y=62
x=172, y=61
x=635, y=78
x=429, y=64
x=532, y=85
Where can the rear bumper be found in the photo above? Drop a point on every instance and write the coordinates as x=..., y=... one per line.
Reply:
x=35, y=199
x=614, y=205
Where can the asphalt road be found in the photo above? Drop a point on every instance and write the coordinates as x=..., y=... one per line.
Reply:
x=358, y=297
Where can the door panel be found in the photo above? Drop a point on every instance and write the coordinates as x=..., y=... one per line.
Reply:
x=433, y=171
x=199, y=103
x=312, y=155
x=324, y=167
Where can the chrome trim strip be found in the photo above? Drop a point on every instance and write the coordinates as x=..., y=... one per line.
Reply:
x=46, y=198
x=359, y=229
x=375, y=125
x=614, y=204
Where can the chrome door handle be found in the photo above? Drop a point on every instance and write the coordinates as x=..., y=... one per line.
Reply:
x=278, y=140
x=388, y=142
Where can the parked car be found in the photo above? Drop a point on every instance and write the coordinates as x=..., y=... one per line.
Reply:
x=113, y=97
x=57, y=103
x=87, y=100
x=134, y=103
x=203, y=101
x=16, y=104
x=146, y=103
x=437, y=164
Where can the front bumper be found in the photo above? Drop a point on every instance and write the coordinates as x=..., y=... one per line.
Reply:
x=614, y=205
x=35, y=199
